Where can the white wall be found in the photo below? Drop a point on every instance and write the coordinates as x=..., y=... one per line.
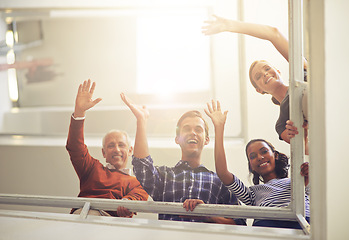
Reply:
x=337, y=115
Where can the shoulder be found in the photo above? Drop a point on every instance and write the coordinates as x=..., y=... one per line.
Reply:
x=140, y=162
x=130, y=178
x=285, y=102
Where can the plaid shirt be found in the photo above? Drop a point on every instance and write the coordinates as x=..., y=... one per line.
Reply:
x=181, y=182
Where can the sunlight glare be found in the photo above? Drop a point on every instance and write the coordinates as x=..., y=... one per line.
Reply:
x=172, y=54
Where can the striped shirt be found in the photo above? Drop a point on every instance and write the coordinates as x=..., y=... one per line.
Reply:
x=275, y=193
x=181, y=182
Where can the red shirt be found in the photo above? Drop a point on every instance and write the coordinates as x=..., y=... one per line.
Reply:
x=96, y=180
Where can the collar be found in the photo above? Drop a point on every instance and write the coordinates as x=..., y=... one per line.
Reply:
x=124, y=170
x=185, y=165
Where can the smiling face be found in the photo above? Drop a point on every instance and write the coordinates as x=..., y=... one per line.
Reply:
x=192, y=137
x=262, y=160
x=116, y=149
x=264, y=77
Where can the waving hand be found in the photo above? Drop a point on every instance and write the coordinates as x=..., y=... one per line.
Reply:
x=84, y=100
x=215, y=113
x=216, y=26
x=141, y=113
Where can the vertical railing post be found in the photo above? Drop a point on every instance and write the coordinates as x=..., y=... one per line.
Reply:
x=85, y=210
x=296, y=115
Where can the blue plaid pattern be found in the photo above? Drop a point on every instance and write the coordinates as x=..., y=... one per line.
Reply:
x=181, y=182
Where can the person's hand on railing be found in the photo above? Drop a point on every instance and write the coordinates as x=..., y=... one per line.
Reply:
x=305, y=172
x=190, y=204
x=124, y=212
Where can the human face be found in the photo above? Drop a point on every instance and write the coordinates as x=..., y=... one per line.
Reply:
x=265, y=77
x=192, y=137
x=262, y=160
x=116, y=149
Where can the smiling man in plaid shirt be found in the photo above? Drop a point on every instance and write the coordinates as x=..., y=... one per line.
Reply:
x=188, y=181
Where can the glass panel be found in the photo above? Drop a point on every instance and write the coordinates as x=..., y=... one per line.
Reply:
x=145, y=52
x=172, y=54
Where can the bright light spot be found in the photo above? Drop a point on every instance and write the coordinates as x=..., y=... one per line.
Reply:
x=15, y=36
x=15, y=110
x=8, y=20
x=17, y=136
x=172, y=54
x=10, y=57
x=163, y=96
x=12, y=84
x=9, y=38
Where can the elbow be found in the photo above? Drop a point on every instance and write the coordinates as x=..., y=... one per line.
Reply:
x=275, y=32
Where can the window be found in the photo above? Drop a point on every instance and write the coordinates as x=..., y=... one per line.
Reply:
x=172, y=54
x=157, y=56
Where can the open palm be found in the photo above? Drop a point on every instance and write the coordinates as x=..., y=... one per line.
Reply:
x=140, y=112
x=84, y=100
x=216, y=26
x=215, y=113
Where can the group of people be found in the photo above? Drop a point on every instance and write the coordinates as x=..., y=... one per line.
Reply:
x=189, y=181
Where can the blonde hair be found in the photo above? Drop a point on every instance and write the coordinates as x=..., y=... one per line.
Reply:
x=276, y=102
x=250, y=73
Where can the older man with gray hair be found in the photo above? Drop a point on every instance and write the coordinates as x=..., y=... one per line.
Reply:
x=96, y=180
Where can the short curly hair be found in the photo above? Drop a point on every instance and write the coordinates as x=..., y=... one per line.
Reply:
x=281, y=162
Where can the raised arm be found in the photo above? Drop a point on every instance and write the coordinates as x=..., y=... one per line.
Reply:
x=264, y=32
x=83, y=100
x=141, y=149
x=218, y=119
x=75, y=141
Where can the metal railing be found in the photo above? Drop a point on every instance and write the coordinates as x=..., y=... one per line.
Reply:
x=231, y=211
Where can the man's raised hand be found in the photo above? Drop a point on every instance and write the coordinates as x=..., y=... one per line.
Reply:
x=215, y=113
x=140, y=112
x=84, y=100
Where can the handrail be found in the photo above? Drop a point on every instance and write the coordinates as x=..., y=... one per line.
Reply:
x=232, y=211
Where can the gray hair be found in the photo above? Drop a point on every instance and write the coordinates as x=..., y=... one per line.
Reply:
x=116, y=131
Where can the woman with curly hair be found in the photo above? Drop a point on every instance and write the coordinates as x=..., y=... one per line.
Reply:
x=281, y=162
x=266, y=165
